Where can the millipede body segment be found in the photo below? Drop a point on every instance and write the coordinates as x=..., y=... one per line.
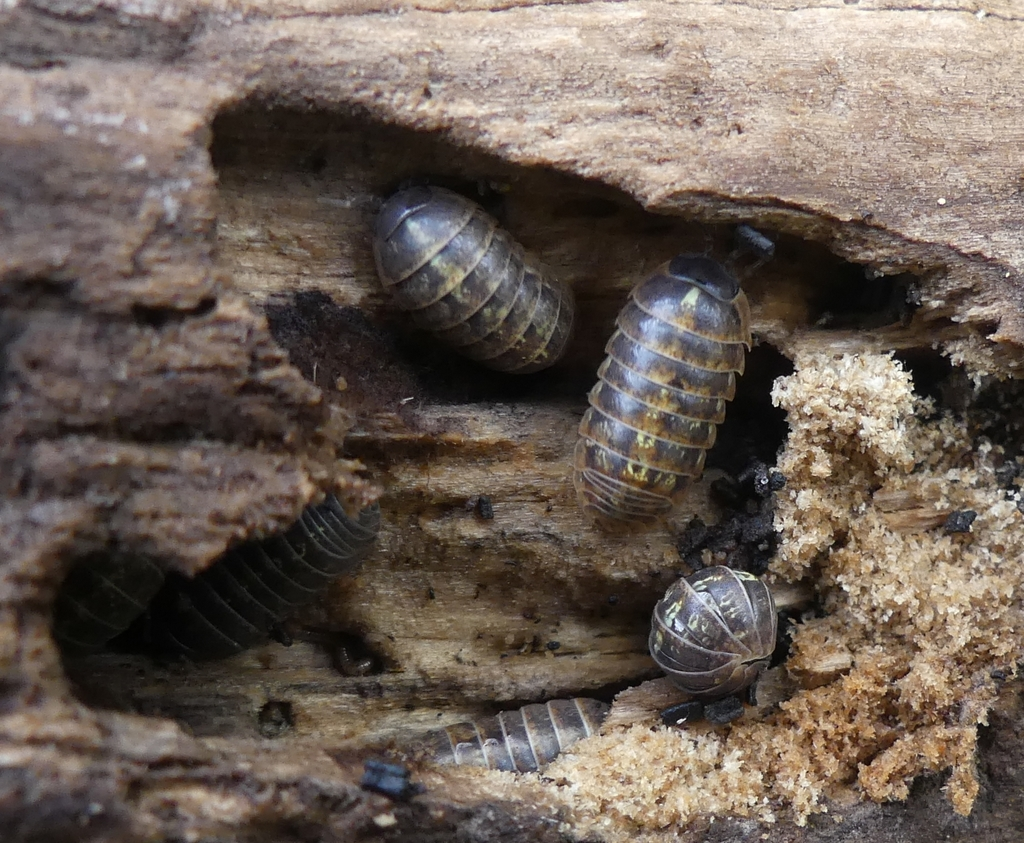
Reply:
x=672, y=363
x=464, y=279
x=522, y=740
x=236, y=602
x=100, y=598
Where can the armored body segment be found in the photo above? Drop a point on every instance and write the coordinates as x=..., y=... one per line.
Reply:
x=522, y=740
x=100, y=598
x=672, y=363
x=235, y=603
x=461, y=277
x=714, y=632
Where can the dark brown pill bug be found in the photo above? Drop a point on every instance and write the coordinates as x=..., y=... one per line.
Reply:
x=100, y=598
x=714, y=632
x=461, y=277
x=235, y=603
x=522, y=740
x=672, y=363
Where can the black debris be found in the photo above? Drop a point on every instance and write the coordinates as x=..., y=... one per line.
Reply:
x=960, y=521
x=391, y=780
x=484, y=508
x=723, y=711
x=275, y=718
x=687, y=712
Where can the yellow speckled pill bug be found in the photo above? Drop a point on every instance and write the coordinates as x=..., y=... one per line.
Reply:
x=672, y=364
x=714, y=632
x=524, y=739
x=461, y=277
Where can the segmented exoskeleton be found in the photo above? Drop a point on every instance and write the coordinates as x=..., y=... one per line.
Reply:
x=524, y=739
x=672, y=363
x=714, y=632
x=100, y=598
x=462, y=278
x=236, y=602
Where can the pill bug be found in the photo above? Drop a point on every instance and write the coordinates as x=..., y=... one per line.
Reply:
x=237, y=601
x=672, y=363
x=714, y=632
x=522, y=740
x=464, y=279
x=100, y=598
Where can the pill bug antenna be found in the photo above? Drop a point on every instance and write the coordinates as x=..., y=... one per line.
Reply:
x=709, y=242
x=748, y=242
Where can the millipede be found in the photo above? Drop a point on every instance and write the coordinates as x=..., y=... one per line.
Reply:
x=466, y=281
x=672, y=363
x=100, y=598
x=523, y=740
x=237, y=602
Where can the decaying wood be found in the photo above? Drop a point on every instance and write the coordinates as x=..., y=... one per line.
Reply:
x=169, y=172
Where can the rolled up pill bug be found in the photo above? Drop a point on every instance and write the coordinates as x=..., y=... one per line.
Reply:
x=100, y=598
x=714, y=632
x=236, y=602
x=447, y=263
x=522, y=740
x=672, y=363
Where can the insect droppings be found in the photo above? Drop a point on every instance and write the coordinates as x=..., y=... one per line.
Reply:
x=464, y=279
x=391, y=780
x=484, y=508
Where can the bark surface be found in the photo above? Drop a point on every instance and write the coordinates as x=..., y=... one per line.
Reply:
x=191, y=328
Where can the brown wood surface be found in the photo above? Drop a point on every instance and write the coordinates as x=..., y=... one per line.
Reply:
x=186, y=192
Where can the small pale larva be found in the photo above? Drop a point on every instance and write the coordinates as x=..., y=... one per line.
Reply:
x=236, y=602
x=522, y=740
x=468, y=282
x=672, y=363
x=714, y=632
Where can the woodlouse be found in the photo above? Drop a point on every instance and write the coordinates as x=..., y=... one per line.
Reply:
x=100, y=598
x=235, y=603
x=672, y=363
x=714, y=632
x=468, y=282
x=522, y=740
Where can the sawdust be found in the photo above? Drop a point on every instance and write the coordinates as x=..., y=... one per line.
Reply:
x=917, y=628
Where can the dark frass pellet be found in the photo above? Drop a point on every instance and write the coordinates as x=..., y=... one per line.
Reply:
x=960, y=521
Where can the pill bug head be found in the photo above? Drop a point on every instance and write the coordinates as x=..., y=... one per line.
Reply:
x=395, y=211
x=437, y=215
x=714, y=632
x=707, y=274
